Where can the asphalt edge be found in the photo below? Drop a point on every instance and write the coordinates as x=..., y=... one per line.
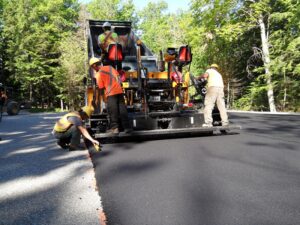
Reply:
x=101, y=214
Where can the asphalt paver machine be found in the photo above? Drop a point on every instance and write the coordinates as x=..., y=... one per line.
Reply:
x=156, y=88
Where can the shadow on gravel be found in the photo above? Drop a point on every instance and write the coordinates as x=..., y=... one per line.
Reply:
x=24, y=145
x=32, y=169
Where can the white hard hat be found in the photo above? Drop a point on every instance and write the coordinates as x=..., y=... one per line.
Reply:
x=107, y=24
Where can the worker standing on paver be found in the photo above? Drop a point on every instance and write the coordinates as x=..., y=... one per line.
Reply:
x=70, y=127
x=109, y=80
x=215, y=94
x=108, y=37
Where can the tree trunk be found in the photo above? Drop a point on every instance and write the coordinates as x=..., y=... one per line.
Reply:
x=30, y=92
x=266, y=60
x=285, y=90
x=228, y=94
x=61, y=105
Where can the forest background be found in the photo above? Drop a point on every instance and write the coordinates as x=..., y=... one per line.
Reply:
x=256, y=43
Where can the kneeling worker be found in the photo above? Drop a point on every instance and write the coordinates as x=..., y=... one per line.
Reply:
x=69, y=128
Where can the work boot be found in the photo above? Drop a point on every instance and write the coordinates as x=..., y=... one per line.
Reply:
x=62, y=144
x=226, y=124
x=128, y=130
x=207, y=125
x=113, y=131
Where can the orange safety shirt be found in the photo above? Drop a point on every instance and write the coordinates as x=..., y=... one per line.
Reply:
x=108, y=78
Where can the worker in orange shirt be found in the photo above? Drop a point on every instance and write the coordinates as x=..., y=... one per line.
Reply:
x=108, y=78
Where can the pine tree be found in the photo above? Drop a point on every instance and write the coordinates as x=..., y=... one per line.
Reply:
x=32, y=32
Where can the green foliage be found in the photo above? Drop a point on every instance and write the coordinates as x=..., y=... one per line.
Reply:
x=104, y=9
x=219, y=38
x=1, y=42
x=234, y=43
x=155, y=27
x=73, y=69
x=285, y=52
x=113, y=10
x=255, y=97
x=32, y=32
x=43, y=48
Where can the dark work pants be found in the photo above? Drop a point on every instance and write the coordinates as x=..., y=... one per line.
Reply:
x=71, y=136
x=117, y=110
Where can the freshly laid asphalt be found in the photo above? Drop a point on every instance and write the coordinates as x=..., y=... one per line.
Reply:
x=41, y=184
x=248, y=178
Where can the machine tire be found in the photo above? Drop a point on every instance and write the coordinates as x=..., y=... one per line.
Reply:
x=223, y=131
x=210, y=133
x=12, y=108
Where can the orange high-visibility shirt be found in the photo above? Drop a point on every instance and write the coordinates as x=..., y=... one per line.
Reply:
x=108, y=78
